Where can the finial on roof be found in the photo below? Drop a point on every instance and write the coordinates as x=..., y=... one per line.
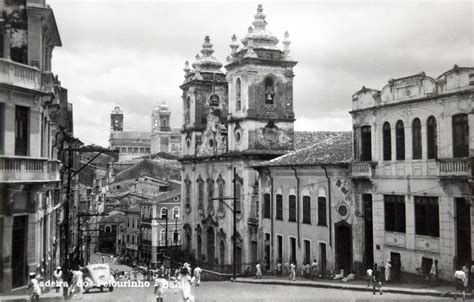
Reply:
x=286, y=43
x=186, y=68
x=207, y=62
x=234, y=45
x=259, y=22
x=250, y=29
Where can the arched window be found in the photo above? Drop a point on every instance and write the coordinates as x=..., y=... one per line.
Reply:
x=387, y=142
x=164, y=122
x=416, y=138
x=176, y=212
x=187, y=111
x=269, y=91
x=135, y=150
x=163, y=237
x=210, y=193
x=307, y=209
x=108, y=229
x=220, y=189
x=460, y=135
x=222, y=252
x=400, y=139
x=366, y=141
x=214, y=100
x=187, y=184
x=238, y=94
x=432, y=138
x=130, y=150
x=238, y=194
x=164, y=212
x=266, y=206
x=200, y=184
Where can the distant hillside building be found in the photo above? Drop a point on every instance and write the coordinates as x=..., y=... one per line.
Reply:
x=133, y=144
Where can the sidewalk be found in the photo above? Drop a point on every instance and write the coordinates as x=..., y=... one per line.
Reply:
x=359, y=285
x=51, y=296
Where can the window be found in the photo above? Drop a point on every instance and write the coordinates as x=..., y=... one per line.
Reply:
x=210, y=194
x=269, y=91
x=400, y=140
x=142, y=150
x=135, y=150
x=238, y=194
x=387, y=141
x=22, y=116
x=187, y=111
x=266, y=207
x=133, y=239
x=2, y=122
x=187, y=184
x=164, y=213
x=306, y=209
x=214, y=100
x=279, y=207
x=130, y=150
x=280, y=248
x=322, y=219
x=460, y=136
x=292, y=208
x=162, y=235
x=394, y=213
x=238, y=94
x=431, y=133
x=416, y=138
x=176, y=212
x=426, y=216
x=200, y=184
x=220, y=192
x=164, y=122
x=307, y=251
x=366, y=142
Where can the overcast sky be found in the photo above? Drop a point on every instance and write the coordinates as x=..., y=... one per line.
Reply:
x=131, y=53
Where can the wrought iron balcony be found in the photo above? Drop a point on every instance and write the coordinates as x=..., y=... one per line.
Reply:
x=456, y=167
x=19, y=169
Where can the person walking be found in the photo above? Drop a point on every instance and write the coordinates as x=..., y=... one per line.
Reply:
x=279, y=268
x=314, y=269
x=388, y=271
x=292, y=272
x=185, y=284
x=258, y=273
x=376, y=280
x=34, y=288
x=461, y=282
x=197, y=275
x=160, y=284
x=370, y=272
x=58, y=278
x=434, y=274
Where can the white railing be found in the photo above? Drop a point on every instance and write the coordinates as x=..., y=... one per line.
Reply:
x=455, y=166
x=24, y=76
x=361, y=169
x=24, y=169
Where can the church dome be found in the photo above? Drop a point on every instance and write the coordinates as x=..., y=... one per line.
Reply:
x=258, y=34
x=207, y=62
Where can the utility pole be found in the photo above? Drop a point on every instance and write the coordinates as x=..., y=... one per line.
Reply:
x=166, y=231
x=234, y=268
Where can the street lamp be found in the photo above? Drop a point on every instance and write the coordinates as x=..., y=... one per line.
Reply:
x=175, y=239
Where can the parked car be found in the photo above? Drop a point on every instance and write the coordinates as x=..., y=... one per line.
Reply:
x=98, y=276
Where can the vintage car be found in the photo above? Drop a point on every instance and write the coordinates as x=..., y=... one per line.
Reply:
x=98, y=276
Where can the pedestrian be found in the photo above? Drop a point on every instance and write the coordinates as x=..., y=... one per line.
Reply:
x=185, y=284
x=160, y=284
x=307, y=270
x=258, y=274
x=77, y=283
x=388, y=271
x=376, y=277
x=34, y=287
x=369, y=276
x=434, y=274
x=471, y=276
x=314, y=269
x=58, y=278
x=466, y=270
x=279, y=268
x=103, y=259
x=461, y=283
x=292, y=269
x=197, y=276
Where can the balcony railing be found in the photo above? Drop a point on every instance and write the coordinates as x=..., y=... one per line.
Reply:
x=25, y=76
x=362, y=169
x=455, y=167
x=17, y=169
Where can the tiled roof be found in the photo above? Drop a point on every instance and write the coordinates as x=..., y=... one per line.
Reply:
x=305, y=139
x=335, y=149
x=156, y=168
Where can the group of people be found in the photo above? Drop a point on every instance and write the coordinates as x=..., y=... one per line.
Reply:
x=185, y=278
x=463, y=278
x=307, y=270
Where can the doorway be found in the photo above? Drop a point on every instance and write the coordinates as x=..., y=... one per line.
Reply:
x=368, y=230
x=238, y=259
x=396, y=266
x=19, y=249
x=463, y=231
x=293, y=251
x=344, y=247
x=210, y=246
x=322, y=258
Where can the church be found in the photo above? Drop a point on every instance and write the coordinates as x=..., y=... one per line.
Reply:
x=232, y=121
x=135, y=144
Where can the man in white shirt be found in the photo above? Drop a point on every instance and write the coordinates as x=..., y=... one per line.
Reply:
x=461, y=282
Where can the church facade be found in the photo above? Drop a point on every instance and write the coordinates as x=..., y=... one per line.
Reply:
x=232, y=121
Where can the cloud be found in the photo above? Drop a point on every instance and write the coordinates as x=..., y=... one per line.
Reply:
x=131, y=53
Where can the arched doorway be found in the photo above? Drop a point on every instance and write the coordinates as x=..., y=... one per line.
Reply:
x=199, y=247
x=210, y=245
x=344, y=247
x=222, y=252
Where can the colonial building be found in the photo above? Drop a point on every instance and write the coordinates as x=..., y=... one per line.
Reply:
x=33, y=110
x=134, y=144
x=232, y=120
x=307, y=210
x=413, y=171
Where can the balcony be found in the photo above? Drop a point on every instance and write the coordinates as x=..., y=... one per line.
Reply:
x=18, y=169
x=455, y=167
x=362, y=169
x=25, y=76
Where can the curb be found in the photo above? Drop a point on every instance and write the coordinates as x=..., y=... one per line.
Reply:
x=351, y=287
